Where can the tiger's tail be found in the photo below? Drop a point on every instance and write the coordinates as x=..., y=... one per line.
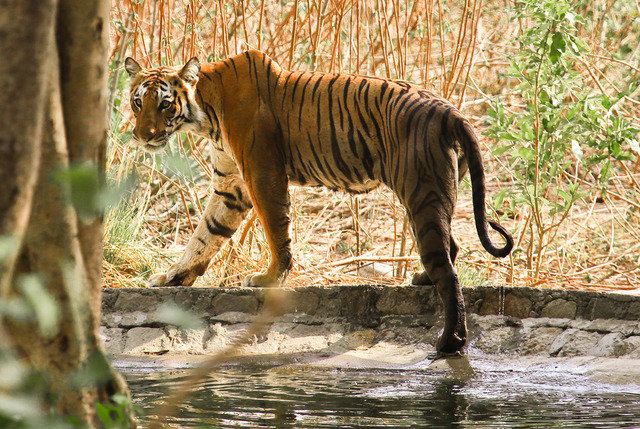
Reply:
x=469, y=141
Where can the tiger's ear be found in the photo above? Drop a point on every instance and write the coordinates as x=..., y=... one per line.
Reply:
x=189, y=72
x=132, y=67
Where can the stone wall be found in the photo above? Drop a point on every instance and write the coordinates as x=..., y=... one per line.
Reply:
x=402, y=320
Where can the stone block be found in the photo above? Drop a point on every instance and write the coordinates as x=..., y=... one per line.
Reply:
x=608, y=345
x=573, y=342
x=146, y=341
x=111, y=340
x=190, y=341
x=605, y=307
x=517, y=306
x=629, y=347
x=399, y=301
x=232, y=317
x=137, y=301
x=499, y=340
x=560, y=308
x=538, y=340
x=226, y=302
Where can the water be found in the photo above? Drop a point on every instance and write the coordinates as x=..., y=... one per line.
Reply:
x=494, y=395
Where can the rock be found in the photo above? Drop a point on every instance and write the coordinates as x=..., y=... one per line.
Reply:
x=560, y=308
x=304, y=338
x=219, y=336
x=517, y=306
x=607, y=308
x=299, y=301
x=232, y=317
x=573, y=342
x=539, y=340
x=498, y=340
x=133, y=319
x=608, y=345
x=111, y=340
x=189, y=341
x=604, y=326
x=146, y=340
x=231, y=302
x=629, y=347
x=399, y=301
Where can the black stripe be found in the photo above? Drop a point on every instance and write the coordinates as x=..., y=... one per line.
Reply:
x=216, y=228
x=367, y=161
x=232, y=206
x=302, y=100
x=233, y=63
x=225, y=194
x=284, y=92
x=315, y=87
x=295, y=86
x=335, y=147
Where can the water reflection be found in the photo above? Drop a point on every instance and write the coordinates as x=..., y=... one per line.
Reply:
x=428, y=396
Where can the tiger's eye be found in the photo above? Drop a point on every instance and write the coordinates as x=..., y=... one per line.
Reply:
x=138, y=103
x=165, y=104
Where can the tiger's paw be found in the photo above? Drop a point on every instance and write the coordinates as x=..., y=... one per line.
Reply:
x=451, y=345
x=421, y=279
x=157, y=280
x=173, y=277
x=260, y=280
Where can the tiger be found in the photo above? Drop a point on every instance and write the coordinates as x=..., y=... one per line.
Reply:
x=272, y=127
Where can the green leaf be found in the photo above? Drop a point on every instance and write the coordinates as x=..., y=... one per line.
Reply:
x=558, y=47
x=84, y=185
x=104, y=415
x=110, y=196
x=44, y=305
x=635, y=147
x=172, y=314
x=501, y=150
x=12, y=373
x=95, y=371
x=20, y=406
x=577, y=150
x=9, y=245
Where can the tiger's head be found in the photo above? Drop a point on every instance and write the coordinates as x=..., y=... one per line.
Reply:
x=163, y=102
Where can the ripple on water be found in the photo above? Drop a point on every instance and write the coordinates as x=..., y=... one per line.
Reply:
x=304, y=397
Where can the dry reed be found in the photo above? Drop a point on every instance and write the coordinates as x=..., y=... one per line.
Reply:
x=458, y=49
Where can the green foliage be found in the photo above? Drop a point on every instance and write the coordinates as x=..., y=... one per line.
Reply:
x=564, y=126
x=114, y=415
x=177, y=316
x=88, y=193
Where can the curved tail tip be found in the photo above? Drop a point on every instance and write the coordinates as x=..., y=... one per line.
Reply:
x=501, y=252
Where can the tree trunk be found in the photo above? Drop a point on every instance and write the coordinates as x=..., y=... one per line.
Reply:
x=26, y=35
x=62, y=124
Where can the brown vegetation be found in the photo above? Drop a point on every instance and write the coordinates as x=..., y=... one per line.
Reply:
x=460, y=50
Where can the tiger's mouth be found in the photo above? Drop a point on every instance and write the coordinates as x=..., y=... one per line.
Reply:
x=154, y=146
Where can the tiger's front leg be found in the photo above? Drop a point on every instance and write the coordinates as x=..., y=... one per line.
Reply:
x=223, y=214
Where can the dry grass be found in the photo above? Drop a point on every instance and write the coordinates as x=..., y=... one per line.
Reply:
x=460, y=50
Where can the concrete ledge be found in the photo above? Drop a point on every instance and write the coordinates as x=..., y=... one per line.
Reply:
x=394, y=324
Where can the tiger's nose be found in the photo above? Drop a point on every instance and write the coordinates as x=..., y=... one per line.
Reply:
x=147, y=134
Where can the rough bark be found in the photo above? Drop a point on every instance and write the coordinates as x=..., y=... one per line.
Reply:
x=82, y=38
x=65, y=126
x=26, y=35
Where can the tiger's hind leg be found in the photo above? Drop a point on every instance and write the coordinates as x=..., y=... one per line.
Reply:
x=433, y=235
x=422, y=278
x=430, y=200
